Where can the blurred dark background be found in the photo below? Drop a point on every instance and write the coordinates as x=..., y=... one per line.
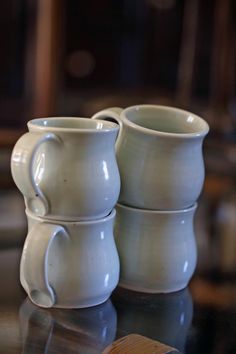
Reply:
x=74, y=57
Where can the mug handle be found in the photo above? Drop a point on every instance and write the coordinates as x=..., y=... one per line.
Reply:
x=22, y=160
x=34, y=263
x=111, y=114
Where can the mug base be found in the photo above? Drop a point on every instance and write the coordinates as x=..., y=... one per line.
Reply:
x=143, y=289
x=62, y=218
x=79, y=305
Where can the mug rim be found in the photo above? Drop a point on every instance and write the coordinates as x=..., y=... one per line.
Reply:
x=200, y=133
x=33, y=126
x=42, y=219
x=156, y=212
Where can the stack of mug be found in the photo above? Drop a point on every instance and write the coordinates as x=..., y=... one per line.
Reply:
x=159, y=154
x=69, y=169
x=67, y=172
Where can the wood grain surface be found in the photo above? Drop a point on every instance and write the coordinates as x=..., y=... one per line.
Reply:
x=137, y=344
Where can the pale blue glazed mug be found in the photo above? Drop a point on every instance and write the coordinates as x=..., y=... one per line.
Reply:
x=159, y=154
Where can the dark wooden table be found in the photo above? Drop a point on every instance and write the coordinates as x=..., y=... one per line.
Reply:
x=200, y=319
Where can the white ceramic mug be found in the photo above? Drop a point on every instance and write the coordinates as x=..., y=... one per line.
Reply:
x=69, y=264
x=159, y=154
x=66, y=168
x=157, y=249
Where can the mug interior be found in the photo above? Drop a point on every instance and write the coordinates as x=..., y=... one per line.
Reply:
x=166, y=120
x=71, y=123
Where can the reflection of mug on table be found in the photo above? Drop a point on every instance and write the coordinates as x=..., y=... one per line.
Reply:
x=159, y=154
x=163, y=317
x=87, y=330
x=66, y=168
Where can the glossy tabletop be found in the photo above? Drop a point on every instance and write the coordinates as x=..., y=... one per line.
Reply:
x=199, y=319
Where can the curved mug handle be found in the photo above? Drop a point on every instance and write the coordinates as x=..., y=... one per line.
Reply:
x=111, y=114
x=34, y=263
x=22, y=160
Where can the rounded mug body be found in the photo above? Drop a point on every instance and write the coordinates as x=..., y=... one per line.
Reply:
x=157, y=249
x=69, y=264
x=66, y=168
x=159, y=154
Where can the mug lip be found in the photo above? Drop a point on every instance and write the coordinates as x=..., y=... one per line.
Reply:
x=155, y=212
x=33, y=126
x=45, y=220
x=200, y=133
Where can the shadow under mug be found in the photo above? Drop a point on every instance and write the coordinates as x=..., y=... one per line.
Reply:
x=66, y=168
x=157, y=249
x=159, y=154
x=69, y=264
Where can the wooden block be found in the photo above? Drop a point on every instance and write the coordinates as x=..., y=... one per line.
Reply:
x=137, y=344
